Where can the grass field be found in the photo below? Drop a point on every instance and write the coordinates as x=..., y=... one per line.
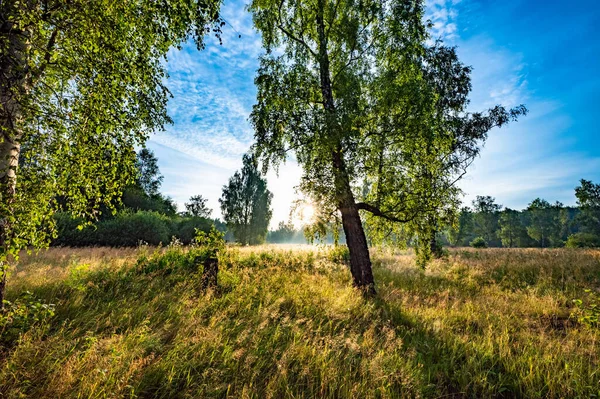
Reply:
x=285, y=323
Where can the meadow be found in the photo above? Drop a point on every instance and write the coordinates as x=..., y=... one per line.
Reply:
x=285, y=322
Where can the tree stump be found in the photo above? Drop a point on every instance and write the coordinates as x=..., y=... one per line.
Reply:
x=209, y=274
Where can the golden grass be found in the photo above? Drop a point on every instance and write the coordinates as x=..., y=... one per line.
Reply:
x=285, y=322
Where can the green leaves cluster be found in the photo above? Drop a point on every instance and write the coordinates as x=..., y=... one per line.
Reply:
x=588, y=309
x=246, y=204
x=83, y=83
x=16, y=317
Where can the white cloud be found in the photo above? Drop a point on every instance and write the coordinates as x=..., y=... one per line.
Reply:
x=443, y=15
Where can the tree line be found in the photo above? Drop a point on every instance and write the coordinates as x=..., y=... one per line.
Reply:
x=144, y=215
x=542, y=224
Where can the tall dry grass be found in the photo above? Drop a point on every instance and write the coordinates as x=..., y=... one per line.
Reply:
x=285, y=322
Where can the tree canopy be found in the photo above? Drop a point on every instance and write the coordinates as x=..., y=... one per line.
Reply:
x=357, y=91
x=197, y=207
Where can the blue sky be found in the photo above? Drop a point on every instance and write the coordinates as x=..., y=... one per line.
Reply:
x=545, y=54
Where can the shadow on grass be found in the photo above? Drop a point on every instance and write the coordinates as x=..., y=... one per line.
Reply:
x=443, y=361
x=258, y=337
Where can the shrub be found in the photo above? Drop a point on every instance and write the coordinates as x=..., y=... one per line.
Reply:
x=128, y=229
x=588, y=310
x=583, y=240
x=478, y=242
x=339, y=254
x=19, y=316
x=186, y=228
x=72, y=231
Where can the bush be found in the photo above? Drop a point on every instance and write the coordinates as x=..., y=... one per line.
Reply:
x=19, y=316
x=185, y=228
x=478, y=242
x=126, y=229
x=588, y=310
x=136, y=199
x=71, y=231
x=339, y=254
x=583, y=240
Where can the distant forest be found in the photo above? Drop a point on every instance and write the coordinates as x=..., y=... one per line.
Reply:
x=145, y=215
x=542, y=224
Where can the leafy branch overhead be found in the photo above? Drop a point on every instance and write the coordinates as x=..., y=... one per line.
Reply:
x=81, y=84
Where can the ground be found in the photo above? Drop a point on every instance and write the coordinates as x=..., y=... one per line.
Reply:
x=285, y=322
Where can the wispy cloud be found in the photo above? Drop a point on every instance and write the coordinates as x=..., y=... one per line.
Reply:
x=214, y=93
x=443, y=15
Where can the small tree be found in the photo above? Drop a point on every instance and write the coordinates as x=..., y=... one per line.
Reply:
x=543, y=221
x=246, y=204
x=588, y=199
x=197, y=207
x=148, y=178
x=486, y=217
x=478, y=242
x=512, y=230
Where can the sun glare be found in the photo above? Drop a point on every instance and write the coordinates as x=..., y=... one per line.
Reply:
x=304, y=214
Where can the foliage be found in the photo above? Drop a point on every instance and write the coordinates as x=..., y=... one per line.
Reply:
x=132, y=228
x=284, y=233
x=186, y=228
x=82, y=84
x=512, y=232
x=148, y=176
x=285, y=324
x=583, y=240
x=134, y=198
x=364, y=99
x=462, y=233
x=544, y=224
x=197, y=207
x=339, y=254
x=588, y=309
x=128, y=229
x=479, y=242
x=213, y=240
x=246, y=204
x=556, y=223
x=486, y=217
x=588, y=199
x=19, y=316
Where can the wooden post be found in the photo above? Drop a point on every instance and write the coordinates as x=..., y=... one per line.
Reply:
x=209, y=274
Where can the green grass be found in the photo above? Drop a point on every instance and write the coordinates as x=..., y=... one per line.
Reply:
x=286, y=324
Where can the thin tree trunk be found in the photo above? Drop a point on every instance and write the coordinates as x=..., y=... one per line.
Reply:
x=14, y=71
x=360, y=261
x=9, y=159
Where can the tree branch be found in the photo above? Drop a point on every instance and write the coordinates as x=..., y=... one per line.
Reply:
x=289, y=34
x=375, y=211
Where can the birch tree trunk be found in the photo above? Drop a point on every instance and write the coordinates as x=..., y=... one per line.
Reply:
x=13, y=88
